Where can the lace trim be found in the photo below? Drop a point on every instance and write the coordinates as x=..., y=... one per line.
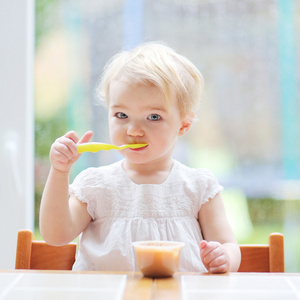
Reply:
x=212, y=193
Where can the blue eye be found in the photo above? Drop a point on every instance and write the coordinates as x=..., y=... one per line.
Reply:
x=121, y=115
x=154, y=117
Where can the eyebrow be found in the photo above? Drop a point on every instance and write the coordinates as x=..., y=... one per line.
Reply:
x=159, y=108
x=117, y=106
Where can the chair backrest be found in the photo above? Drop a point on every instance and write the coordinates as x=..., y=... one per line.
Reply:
x=33, y=254
x=264, y=258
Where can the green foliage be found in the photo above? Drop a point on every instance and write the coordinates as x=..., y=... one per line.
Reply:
x=264, y=210
x=43, y=10
x=47, y=131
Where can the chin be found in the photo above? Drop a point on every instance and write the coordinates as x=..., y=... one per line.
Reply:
x=137, y=159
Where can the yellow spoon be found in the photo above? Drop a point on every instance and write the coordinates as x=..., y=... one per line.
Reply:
x=94, y=147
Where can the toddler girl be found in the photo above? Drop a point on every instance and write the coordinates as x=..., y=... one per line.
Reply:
x=151, y=93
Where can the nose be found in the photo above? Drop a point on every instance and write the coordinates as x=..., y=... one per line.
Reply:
x=135, y=129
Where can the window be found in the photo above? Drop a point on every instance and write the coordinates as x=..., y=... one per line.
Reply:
x=247, y=131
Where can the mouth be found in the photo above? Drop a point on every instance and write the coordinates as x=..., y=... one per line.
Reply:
x=138, y=149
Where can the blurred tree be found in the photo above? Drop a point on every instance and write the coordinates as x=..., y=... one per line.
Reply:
x=44, y=9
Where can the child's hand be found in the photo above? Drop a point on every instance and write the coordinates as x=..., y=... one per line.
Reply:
x=214, y=257
x=64, y=153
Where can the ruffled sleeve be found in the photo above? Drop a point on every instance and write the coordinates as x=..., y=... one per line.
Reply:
x=209, y=185
x=84, y=189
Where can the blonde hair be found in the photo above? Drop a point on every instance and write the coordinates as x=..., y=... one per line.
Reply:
x=159, y=65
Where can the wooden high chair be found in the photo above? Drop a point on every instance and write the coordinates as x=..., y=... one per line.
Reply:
x=33, y=254
x=264, y=258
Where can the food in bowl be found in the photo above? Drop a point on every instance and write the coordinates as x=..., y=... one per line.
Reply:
x=157, y=258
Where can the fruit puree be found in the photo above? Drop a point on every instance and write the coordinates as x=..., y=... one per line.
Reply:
x=156, y=258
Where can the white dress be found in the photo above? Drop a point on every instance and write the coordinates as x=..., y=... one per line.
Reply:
x=123, y=212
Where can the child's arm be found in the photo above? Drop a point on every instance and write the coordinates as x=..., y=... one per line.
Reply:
x=62, y=218
x=220, y=252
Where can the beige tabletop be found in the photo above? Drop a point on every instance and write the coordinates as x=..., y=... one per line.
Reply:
x=111, y=285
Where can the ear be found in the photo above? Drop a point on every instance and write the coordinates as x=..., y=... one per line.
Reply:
x=186, y=124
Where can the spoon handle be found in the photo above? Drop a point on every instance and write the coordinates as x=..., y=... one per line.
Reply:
x=95, y=147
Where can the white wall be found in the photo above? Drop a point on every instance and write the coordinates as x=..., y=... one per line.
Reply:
x=16, y=124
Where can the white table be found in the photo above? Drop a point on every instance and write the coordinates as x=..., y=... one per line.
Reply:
x=184, y=286
x=241, y=286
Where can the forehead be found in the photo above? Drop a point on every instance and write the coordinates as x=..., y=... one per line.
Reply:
x=122, y=92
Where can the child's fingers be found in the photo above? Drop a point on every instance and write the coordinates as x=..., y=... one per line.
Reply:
x=219, y=264
x=64, y=152
x=64, y=148
x=69, y=140
x=72, y=135
x=219, y=269
x=214, y=257
x=203, y=244
x=66, y=145
x=207, y=247
x=86, y=137
x=210, y=254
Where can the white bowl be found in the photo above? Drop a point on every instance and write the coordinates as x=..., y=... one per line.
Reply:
x=157, y=258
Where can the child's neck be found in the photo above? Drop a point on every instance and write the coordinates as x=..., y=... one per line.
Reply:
x=154, y=173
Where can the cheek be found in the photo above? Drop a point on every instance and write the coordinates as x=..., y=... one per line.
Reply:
x=165, y=137
x=112, y=129
x=115, y=131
